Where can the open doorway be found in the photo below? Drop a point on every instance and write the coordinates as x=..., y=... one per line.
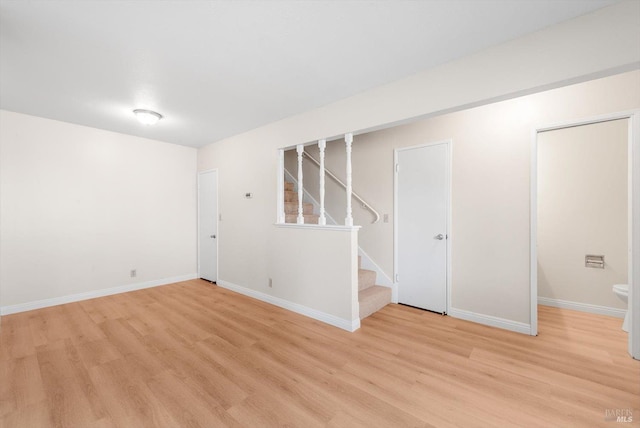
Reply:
x=582, y=216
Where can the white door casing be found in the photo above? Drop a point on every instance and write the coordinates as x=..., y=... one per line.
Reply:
x=422, y=183
x=208, y=225
x=634, y=221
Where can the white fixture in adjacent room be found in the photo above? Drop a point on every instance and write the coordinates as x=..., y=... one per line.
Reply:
x=147, y=117
x=622, y=291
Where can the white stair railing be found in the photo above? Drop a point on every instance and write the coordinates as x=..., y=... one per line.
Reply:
x=350, y=194
x=354, y=195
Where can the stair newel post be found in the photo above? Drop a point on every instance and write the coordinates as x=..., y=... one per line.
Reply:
x=281, y=215
x=300, y=150
x=348, y=139
x=322, y=144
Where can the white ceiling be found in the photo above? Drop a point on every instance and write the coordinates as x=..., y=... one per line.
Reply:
x=218, y=68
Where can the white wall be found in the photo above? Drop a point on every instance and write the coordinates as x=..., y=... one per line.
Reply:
x=306, y=278
x=490, y=186
x=81, y=207
x=491, y=174
x=304, y=272
x=582, y=209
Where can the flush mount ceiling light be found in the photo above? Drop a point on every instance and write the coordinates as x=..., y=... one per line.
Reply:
x=147, y=117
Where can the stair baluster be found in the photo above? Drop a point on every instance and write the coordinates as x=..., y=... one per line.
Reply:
x=300, y=150
x=348, y=139
x=322, y=144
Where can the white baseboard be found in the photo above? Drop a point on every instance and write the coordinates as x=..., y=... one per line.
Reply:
x=54, y=301
x=349, y=325
x=583, y=307
x=518, y=327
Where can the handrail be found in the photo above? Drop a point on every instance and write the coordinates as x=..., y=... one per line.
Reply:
x=337, y=180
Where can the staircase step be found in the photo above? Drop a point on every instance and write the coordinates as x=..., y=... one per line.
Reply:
x=292, y=208
x=308, y=218
x=288, y=185
x=366, y=278
x=373, y=299
x=290, y=196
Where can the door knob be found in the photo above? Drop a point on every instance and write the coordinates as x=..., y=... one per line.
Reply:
x=213, y=236
x=439, y=237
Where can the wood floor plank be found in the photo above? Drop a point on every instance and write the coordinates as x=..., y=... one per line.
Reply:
x=96, y=352
x=79, y=323
x=607, y=395
x=128, y=400
x=103, y=309
x=66, y=394
x=16, y=340
x=194, y=354
x=30, y=415
x=21, y=384
x=211, y=381
x=187, y=405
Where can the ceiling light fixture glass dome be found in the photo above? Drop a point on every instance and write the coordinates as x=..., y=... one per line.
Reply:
x=147, y=117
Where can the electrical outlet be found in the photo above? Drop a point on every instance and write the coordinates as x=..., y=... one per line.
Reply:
x=133, y=273
x=270, y=283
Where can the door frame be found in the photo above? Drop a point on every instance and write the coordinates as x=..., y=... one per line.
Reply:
x=633, y=142
x=396, y=281
x=200, y=173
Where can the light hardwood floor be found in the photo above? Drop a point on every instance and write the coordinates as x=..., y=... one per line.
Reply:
x=193, y=354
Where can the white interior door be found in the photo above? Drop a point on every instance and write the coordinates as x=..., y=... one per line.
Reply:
x=422, y=204
x=208, y=225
